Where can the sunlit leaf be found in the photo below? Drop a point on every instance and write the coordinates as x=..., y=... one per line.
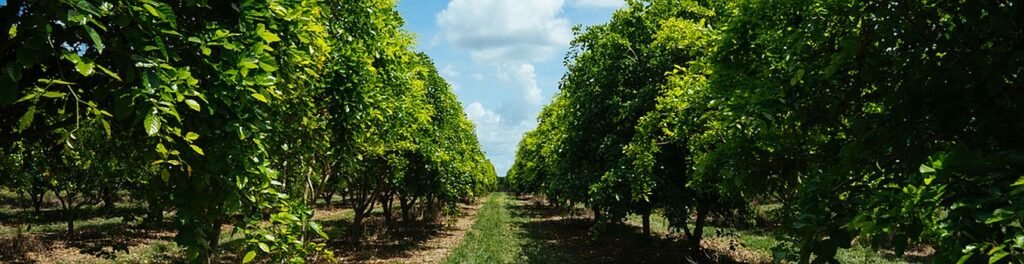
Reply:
x=26, y=119
x=193, y=105
x=151, y=124
x=197, y=149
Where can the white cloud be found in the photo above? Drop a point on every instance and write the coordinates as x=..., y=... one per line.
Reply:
x=499, y=131
x=449, y=72
x=599, y=3
x=510, y=36
x=480, y=115
x=497, y=135
x=524, y=77
x=506, y=30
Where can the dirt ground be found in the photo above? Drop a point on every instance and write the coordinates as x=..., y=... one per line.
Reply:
x=561, y=236
x=419, y=243
x=123, y=243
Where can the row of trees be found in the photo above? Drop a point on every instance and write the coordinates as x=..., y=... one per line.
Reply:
x=239, y=113
x=893, y=122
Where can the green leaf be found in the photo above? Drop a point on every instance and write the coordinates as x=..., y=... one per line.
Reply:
x=269, y=37
x=264, y=247
x=49, y=81
x=316, y=228
x=108, y=72
x=152, y=11
x=197, y=150
x=193, y=104
x=1020, y=182
x=999, y=215
x=249, y=257
x=27, y=97
x=54, y=94
x=96, y=41
x=965, y=258
x=13, y=32
x=926, y=169
x=85, y=68
x=260, y=97
x=151, y=124
x=160, y=148
x=995, y=258
x=165, y=175
x=26, y=119
x=248, y=64
x=190, y=136
x=267, y=67
x=106, y=127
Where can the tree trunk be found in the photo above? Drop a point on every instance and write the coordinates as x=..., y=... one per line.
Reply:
x=647, y=225
x=386, y=203
x=65, y=212
x=406, y=205
x=356, y=229
x=344, y=199
x=214, y=235
x=428, y=212
x=37, y=201
x=37, y=205
x=698, y=229
x=597, y=214
x=328, y=197
x=213, y=242
x=109, y=198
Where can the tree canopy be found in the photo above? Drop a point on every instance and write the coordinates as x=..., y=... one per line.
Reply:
x=893, y=122
x=230, y=113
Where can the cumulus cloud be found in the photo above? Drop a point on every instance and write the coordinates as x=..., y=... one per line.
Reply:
x=506, y=30
x=598, y=3
x=508, y=36
x=449, y=72
x=523, y=77
x=498, y=136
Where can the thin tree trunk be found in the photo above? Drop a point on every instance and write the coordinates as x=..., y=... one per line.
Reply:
x=213, y=241
x=65, y=212
x=406, y=205
x=109, y=198
x=356, y=229
x=647, y=225
x=386, y=203
x=328, y=198
x=698, y=229
x=37, y=202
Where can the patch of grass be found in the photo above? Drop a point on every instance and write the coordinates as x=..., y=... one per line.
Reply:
x=493, y=237
x=155, y=252
x=763, y=240
x=60, y=226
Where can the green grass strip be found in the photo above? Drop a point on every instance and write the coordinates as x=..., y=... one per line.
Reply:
x=494, y=238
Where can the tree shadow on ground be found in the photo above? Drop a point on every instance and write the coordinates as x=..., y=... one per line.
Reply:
x=104, y=240
x=50, y=215
x=553, y=238
x=380, y=242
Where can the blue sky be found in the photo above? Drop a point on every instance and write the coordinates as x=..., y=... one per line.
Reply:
x=503, y=57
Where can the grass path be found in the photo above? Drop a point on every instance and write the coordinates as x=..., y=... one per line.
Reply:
x=521, y=230
x=494, y=237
